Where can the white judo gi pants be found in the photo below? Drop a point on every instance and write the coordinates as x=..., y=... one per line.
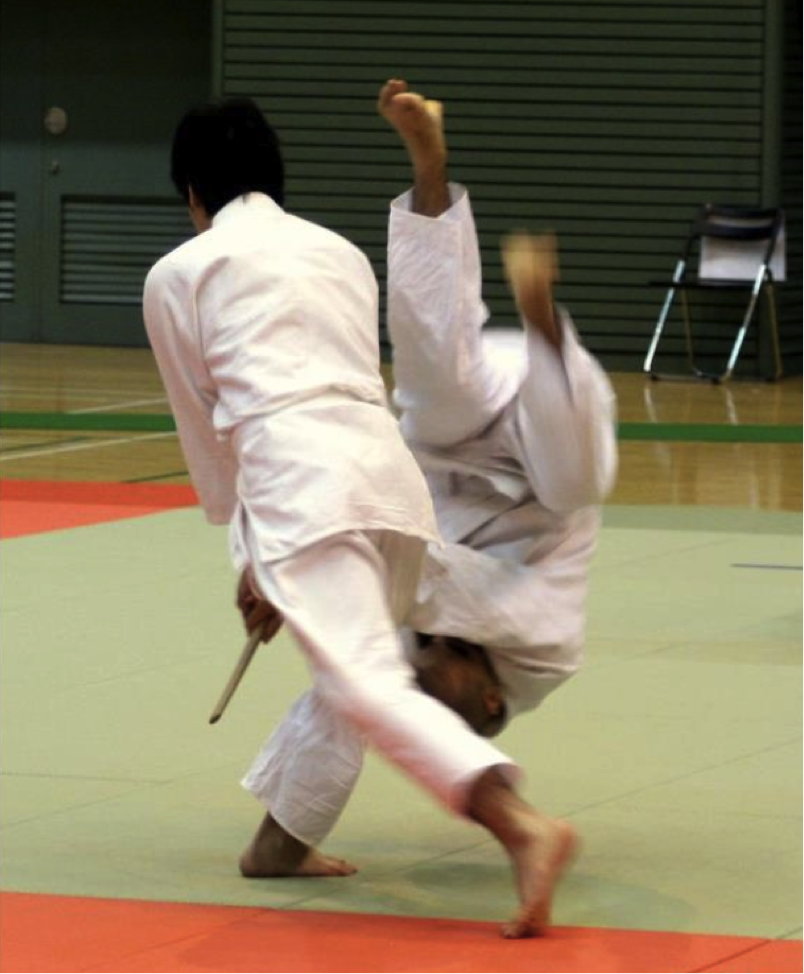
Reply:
x=342, y=599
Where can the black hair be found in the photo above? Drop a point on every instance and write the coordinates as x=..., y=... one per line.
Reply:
x=226, y=149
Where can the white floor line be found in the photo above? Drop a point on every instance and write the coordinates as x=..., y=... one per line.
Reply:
x=74, y=447
x=34, y=392
x=117, y=405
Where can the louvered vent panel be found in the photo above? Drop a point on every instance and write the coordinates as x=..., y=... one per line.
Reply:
x=108, y=246
x=610, y=122
x=8, y=245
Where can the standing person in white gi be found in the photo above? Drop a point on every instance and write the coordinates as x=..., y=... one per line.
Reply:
x=264, y=327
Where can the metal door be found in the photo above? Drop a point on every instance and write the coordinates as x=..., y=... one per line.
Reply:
x=91, y=90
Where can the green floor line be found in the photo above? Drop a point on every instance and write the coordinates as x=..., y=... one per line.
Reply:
x=710, y=432
x=104, y=422
x=163, y=422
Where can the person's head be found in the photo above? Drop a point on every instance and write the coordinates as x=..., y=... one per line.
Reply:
x=223, y=150
x=460, y=675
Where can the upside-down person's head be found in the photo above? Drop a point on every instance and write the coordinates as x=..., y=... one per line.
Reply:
x=223, y=150
x=460, y=675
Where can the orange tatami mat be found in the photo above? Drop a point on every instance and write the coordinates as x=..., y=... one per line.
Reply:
x=56, y=933
x=32, y=507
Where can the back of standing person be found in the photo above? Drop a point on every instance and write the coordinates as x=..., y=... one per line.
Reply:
x=265, y=332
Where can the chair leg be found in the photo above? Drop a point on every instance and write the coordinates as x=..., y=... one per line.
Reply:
x=738, y=342
x=770, y=293
x=657, y=331
x=685, y=305
x=696, y=372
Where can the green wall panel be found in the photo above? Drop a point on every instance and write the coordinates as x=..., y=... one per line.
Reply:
x=86, y=210
x=609, y=122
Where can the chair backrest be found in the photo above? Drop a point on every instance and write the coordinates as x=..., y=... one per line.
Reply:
x=736, y=241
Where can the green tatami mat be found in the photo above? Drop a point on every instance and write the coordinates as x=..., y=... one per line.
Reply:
x=675, y=751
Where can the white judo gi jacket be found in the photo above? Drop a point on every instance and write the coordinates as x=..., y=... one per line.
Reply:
x=265, y=333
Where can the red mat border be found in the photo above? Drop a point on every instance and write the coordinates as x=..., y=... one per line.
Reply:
x=40, y=506
x=44, y=932
x=97, y=492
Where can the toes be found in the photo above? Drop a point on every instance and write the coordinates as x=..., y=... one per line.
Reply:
x=532, y=923
x=517, y=930
x=390, y=89
x=409, y=101
x=319, y=865
x=345, y=868
x=435, y=109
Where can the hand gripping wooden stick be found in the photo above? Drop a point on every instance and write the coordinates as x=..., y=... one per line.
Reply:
x=255, y=637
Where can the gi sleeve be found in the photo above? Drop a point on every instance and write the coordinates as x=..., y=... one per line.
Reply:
x=168, y=309
x=446, y=387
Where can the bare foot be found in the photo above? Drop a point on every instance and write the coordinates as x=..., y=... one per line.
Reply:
x=419, y=121
x=540, y=849
x=538, y=865
x=420, y=124
x=531, y=265
x=274, y=853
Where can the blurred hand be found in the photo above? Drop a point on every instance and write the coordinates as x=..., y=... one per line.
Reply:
x=257, y=611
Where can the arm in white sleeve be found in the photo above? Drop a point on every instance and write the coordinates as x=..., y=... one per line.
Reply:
x=565, y=424
x=172, y=332
x=447, y=389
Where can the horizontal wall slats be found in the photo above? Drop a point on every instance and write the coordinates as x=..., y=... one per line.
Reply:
x=8, y=246
x=609, y=122
x=647, y=95
x=248, y=57
x=109, y=244
x=667, y=45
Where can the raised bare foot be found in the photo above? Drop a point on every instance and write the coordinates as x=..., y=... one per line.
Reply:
x=531, y=266
x=539, y=862
x=273, y=853
x=419, y=122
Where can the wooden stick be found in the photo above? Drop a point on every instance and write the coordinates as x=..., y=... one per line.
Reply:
x=256, y=636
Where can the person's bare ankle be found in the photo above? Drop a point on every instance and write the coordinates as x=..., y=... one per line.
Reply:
x=493, y=803
x=274, y=853
x=539, y=849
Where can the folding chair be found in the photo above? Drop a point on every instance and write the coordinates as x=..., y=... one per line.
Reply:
x=738, y=248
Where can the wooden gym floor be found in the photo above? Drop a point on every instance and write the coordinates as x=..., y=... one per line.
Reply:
x=676, y=751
